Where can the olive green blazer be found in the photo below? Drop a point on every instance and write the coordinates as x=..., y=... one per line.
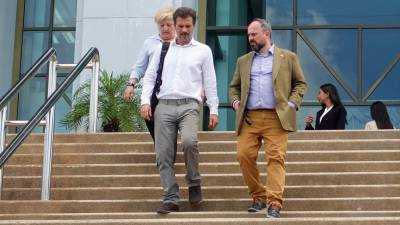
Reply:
x=289, y=85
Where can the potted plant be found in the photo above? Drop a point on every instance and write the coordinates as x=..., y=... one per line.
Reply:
x=115, y=114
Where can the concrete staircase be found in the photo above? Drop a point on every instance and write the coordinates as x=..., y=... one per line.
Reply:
x=333, y=177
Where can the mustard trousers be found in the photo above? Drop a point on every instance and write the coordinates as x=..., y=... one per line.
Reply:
x=263, y=125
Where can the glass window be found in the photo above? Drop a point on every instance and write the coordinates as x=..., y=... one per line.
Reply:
x=240, y=13
x=357, y=117
x=381, y=47
x=227, y=13
x=37, y=13
x=35, y=43
x=388, y=88
x=282, y=38
x=63, y=106
x=226, y=50
x=65, y=13
x=315, y=73
x=339, y=49
x=31, y=97
x=325, y=12
x=279, y=12
x=64, y=42
x=227, y=118
x=394, y=114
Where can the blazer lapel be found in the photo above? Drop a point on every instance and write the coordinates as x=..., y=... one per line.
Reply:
x=247, y=69
x=276, y=64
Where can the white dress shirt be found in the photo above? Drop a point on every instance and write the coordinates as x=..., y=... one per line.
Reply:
x=371, y=125
x=188, y=69
x=325, y=112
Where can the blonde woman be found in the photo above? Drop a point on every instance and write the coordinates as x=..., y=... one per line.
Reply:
x=166, y=33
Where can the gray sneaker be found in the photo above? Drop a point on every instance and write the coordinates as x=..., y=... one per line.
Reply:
x=273, y=212
x=256, y=206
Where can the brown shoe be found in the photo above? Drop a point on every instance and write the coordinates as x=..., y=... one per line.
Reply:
x=168, y=207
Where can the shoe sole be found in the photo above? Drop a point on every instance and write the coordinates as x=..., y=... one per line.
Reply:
x=165, y=211
x=252, y=210
x=273, y=217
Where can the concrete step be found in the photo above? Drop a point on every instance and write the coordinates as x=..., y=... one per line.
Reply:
x=124, y=193
x=129, y=158
x=211, y=146
x=236, y=204
x=205, y=167
x=201, y=214
x=153, y=180
x=220, y=221
x=211, y=136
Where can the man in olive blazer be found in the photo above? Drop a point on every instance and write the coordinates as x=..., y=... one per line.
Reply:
x=289, y=86
x=266, y=91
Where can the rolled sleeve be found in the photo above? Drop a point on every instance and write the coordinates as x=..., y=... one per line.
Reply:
x=150, y=78
x=210, y=83
x=140, y=66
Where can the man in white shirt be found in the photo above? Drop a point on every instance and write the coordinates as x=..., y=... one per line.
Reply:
x=188, y=70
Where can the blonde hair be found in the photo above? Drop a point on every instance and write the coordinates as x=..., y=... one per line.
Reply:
x=164, y=14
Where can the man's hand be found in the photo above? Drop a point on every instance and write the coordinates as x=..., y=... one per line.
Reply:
x=145, y=112
x=213, y=122
x=129, y=93
x=309, y=120
x=236, y=105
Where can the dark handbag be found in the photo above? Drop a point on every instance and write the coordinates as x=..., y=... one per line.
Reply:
x=157, y=85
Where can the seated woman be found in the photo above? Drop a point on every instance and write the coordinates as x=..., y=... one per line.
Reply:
x=380, y=116
x=332, y=116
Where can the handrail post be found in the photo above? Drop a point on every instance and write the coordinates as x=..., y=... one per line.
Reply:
x=49, y=132
x=3, y=117
x=94, y=95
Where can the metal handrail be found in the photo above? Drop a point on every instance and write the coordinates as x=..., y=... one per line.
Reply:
x=28, y=75
x=48, y=107
x=49, y=56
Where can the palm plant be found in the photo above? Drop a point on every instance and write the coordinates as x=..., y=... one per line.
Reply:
x=116, y=114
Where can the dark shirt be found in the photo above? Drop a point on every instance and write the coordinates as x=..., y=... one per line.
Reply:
x=335, y=119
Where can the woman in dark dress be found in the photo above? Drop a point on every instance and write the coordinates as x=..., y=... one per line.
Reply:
x=332, y=116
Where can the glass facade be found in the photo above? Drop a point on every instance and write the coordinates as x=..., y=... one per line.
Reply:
x=47, y=23
x=348, y=43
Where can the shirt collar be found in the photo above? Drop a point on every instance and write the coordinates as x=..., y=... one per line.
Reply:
x=158, y=37
x=192, y=42
x=271, y=51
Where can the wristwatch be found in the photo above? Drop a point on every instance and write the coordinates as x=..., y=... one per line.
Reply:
x=130, y=84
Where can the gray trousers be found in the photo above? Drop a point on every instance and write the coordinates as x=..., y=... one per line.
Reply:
x=170, y=116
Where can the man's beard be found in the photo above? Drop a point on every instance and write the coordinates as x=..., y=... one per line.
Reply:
x=256, y=46
x=185, y=37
